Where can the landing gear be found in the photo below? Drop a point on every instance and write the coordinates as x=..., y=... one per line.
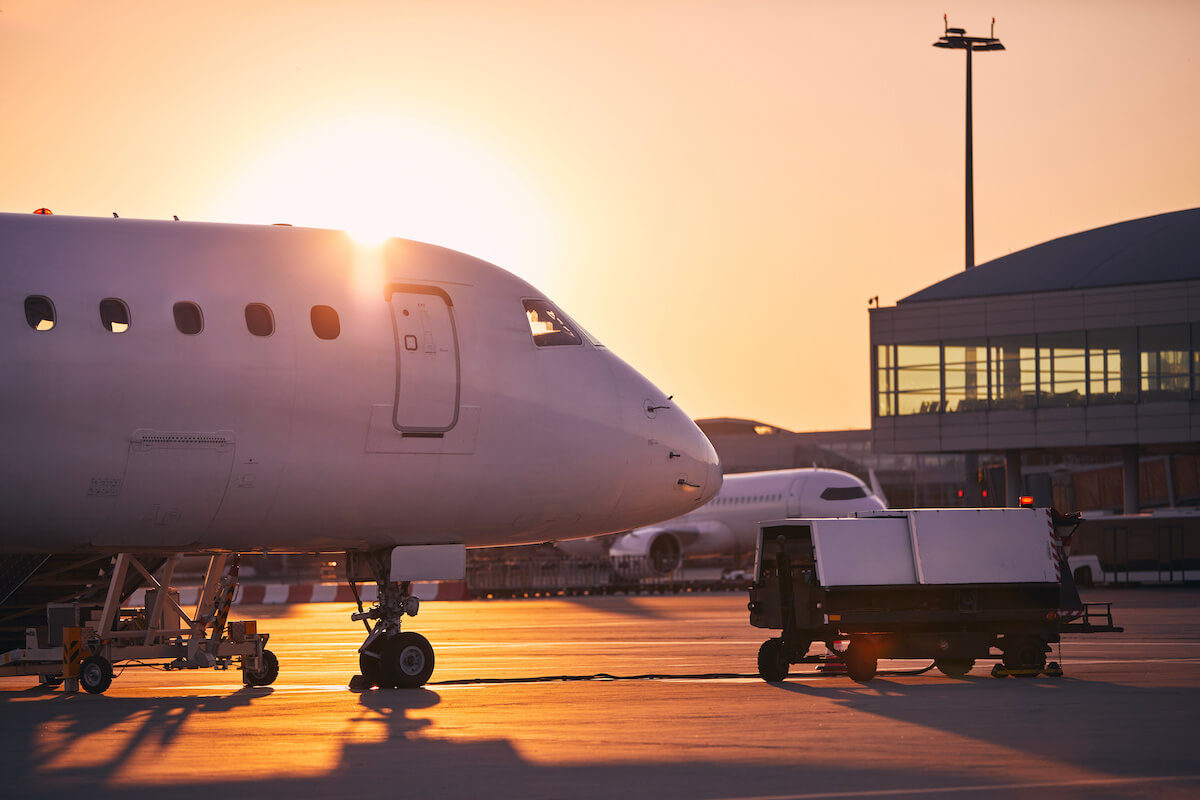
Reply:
x=389, y=658
x=408, y=659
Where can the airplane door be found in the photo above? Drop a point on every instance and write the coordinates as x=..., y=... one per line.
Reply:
x=427, y=360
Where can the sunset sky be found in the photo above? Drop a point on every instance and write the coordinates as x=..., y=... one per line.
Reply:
x=713, y=189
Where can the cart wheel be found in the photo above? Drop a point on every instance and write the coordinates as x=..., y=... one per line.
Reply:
x=407, y=660
x=1025, y=655
x=52, y=681
x=861, y=661
x=265, y=676
x=954, y=667
x=95, y=674
x=772, y=663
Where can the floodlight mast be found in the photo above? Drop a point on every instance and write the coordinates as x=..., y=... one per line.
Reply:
x=957, y=39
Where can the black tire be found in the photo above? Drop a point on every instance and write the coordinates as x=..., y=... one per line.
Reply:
x=370, y=664
x=52, y=680
x=954, y=667
x=861, y=662
x=1026, y=655
x=407, y=660
x=95, y=674
x=265, y=676
x=772, y=661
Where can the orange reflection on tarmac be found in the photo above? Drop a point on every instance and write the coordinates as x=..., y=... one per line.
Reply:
x=243, y=736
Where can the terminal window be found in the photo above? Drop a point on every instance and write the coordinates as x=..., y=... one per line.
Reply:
x=1048, y=370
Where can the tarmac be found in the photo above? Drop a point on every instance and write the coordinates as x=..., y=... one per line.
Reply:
x=540, y=698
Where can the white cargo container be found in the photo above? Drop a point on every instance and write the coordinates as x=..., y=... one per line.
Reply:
x=936, y=546
x=950, y=585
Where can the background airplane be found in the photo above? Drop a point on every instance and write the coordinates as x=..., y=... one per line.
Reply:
x=729, y=522
x=172, y=386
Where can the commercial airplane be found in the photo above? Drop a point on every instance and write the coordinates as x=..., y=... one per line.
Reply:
x=729, y=522
x=189, y=387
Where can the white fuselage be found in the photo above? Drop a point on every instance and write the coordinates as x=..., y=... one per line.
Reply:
x=729, y=522
x=430, y=417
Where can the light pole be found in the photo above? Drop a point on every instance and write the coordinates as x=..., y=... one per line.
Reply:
x=957, y=39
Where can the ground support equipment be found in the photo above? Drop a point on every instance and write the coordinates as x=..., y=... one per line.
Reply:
x=889, y=610
x=81, y=643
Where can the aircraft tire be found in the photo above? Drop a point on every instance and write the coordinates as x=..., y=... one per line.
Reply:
x=772, y=662
x=370, y=664
x=407, y=660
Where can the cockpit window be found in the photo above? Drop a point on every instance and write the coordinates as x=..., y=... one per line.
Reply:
x=548, y=325
x=843, y=493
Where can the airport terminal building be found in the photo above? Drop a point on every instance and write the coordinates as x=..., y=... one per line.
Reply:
x=1087, y=345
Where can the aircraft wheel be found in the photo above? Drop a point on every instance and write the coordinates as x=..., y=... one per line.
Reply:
x=370, y=664
x=861, y=661
x=265, y=676
x=407, y=660
x=95, y=674
x=772, y=661
x=954, y=667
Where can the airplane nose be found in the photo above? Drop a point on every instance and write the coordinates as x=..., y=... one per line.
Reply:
x=692, y=455
x=704, y=455
x=675, y=469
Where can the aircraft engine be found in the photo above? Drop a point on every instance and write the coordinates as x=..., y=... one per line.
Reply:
x=657, y=551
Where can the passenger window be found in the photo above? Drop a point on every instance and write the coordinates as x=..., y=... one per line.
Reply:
x=325, y=322
x=188, y=318
x=114, y=315
x=39, y=312
x=548, y=325
x=259, y=319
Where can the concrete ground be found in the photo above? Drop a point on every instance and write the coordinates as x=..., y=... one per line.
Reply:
x=1121, y=723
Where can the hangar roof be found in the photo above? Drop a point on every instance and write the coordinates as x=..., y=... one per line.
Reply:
x=1165, y=247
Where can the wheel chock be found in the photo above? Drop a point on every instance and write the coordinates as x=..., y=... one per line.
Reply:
x=1051, y=670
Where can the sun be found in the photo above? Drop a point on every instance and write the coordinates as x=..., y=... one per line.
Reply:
x=379, y=176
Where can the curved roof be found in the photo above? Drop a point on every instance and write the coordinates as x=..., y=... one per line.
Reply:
x=734, y=426
x=1154, y=249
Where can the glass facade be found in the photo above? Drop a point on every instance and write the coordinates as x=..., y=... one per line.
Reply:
x=1046, y=370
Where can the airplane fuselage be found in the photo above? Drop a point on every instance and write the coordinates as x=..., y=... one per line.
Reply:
x=334, y=397
x=729, y=522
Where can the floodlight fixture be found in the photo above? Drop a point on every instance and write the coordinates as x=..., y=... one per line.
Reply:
x=957, y=39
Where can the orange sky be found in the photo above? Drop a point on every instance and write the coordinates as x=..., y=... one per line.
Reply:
x=714, y=189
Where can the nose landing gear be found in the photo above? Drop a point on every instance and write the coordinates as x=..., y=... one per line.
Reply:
x=390, y=658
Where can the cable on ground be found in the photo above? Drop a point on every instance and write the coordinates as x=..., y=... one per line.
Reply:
x=658, y=676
